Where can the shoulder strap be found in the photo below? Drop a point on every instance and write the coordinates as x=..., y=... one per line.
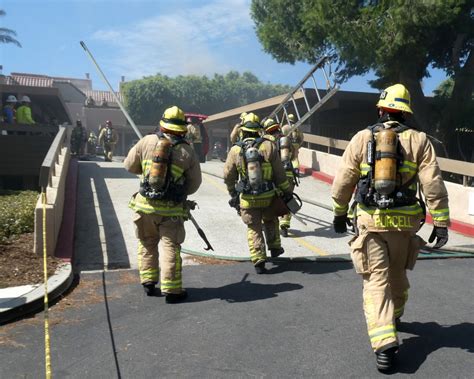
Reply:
x=398, y=129
x=175, y=140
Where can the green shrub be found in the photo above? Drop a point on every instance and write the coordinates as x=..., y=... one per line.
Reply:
x=17, y=213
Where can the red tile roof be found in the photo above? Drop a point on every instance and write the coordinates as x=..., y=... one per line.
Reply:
x=29, y=80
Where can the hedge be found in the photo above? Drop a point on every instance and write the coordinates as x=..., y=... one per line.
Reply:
x=17, y=211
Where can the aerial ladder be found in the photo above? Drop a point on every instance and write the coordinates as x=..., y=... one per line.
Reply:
x=306, y=85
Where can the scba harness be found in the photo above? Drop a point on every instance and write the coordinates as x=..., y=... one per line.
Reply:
x=381, y=187
x=252, y=179
x=284, y=146
x=168, y=188
x=108, y=135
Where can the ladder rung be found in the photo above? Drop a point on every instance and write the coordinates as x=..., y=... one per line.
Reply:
x=328, y=83
x=305, y=99
x=296, y=108
x=316, y=88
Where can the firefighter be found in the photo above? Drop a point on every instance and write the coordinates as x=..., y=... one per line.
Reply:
x=92, y=144
x=297, y=139
x=254, y=176
x=108, y=137
x=234, y=134
x=78, y=137
x=194, y=137
x=386, y=162
x=23, y=113
x=287, y=156
x=169, y=172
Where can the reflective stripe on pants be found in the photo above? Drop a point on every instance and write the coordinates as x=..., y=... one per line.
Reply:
x=258, y=221
x=152, y=229
x=385, y=283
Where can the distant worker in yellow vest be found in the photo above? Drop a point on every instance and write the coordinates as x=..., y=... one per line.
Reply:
x=254, y=176
x=385, y=162
x=23, y=113
x=296, y=137
x=169, y=172
x=234, y=134
x=108, y=137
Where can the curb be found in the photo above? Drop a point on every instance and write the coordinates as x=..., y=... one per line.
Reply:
x=456, y=225
x=33, y=300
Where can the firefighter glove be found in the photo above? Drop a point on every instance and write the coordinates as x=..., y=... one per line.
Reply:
x=340, y=223
x=234, y=201
x=441, y=235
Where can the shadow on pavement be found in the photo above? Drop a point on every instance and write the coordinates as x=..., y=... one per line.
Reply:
x=325, y=228
x=317, y=268
x=243, y=291
x=429, y=337
x=88, y=247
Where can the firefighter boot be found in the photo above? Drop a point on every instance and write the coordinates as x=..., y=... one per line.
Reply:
x=260, y=267
x=385, y=359
x=276, y=252
x=284, y=231
x=151, y=290
x=173, y=298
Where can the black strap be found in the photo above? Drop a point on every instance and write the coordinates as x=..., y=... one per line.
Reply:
x=398, y=129
x=175, y=140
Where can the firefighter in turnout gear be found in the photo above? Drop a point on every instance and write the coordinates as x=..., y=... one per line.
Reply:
x=287, y=155
x=234, y=134
x=254, y=177
x=78, y=139
x=92, y=144
x=296, y=137
x=169, y=172
x=386, y=162
x=108, y=137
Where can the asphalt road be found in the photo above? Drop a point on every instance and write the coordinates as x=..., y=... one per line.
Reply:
x=300, y=320
x=105, y=236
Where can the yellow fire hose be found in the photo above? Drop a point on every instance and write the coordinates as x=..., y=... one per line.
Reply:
x=47, y=348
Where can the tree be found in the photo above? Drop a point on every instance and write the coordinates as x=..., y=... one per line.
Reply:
x=463, y=132
x=399, y=40
x=147, y=98
x=7, y=35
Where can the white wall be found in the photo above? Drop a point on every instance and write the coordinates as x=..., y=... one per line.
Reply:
x=458, y=194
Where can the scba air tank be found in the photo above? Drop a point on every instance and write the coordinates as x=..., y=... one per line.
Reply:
x=254, y=168
x=385, y=174
x=285, y=146
x=159, y=165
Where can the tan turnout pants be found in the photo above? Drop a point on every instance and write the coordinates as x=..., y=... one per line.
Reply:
x=151, y=230
x=285, y=221
x=382, y=259
x=260, y=221
x=109, y=150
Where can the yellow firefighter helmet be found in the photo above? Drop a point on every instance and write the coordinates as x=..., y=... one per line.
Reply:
x=396, y=98
x=173, y=121
x=270, y=125
x=251, y=123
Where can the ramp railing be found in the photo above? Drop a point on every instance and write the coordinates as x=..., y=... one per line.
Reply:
x=52, y=180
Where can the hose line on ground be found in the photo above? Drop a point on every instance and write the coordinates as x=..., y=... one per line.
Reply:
x=426, y=249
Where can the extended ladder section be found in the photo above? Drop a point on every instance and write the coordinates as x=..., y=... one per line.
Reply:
x=311, y=103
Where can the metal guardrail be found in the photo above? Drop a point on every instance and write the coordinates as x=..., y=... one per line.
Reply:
x=36, y=128
x=51, y=157
x=466, y=169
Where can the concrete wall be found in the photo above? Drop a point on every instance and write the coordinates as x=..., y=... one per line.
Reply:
x=459, y=195
x=54, y=203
